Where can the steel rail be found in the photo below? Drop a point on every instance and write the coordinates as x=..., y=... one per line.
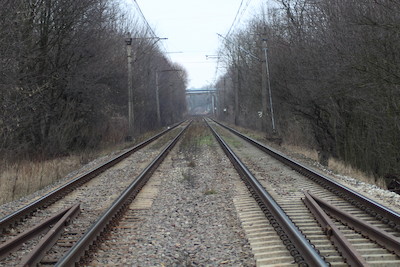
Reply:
x=115, y=211
x=58, y=193
x=305, y=254
x=349, y=253
x=383, y=238
x=36, y=255
x=14, y=243
x=381, y=212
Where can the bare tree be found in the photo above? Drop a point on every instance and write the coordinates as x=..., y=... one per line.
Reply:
x=335, y=73
x=63, y=74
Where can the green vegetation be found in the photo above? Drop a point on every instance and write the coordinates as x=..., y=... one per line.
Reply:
x=233, y=141
x=210, y=192
x=196, y=138
x=206, y=140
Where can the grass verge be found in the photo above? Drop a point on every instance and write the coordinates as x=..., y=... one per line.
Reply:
x=24, y=177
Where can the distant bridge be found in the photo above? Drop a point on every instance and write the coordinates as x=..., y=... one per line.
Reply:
x=201, y=102
x=202, y=91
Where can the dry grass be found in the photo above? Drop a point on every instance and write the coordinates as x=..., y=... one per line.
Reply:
x=344, y=169
x=25, y=177
x=306, y=152
x=337, y=166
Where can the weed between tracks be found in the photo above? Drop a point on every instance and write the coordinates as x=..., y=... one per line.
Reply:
x=210, y=192
x=195, y=139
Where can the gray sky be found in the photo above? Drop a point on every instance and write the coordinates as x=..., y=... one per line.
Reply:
x=191, y=27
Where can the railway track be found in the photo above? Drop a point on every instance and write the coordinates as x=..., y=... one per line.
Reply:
x=358, y=231
x=89, y=193
x=290, y=214
x=111, y=216
x=118, y=245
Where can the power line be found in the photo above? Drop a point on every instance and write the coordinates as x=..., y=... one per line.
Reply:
x=151, y=29
x=234, y=20
x=141, y=13
x=239, y=14
x=244, y=10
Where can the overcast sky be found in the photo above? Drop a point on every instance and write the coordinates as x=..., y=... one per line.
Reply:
x=191, y=27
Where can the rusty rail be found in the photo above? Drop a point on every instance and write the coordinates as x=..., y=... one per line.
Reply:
x=385, y=239
x=111, y=215
x=59, y=219
x=352, y=256
x=56, y=194
x=33, y=258
x=299, y=247
x=386, y=215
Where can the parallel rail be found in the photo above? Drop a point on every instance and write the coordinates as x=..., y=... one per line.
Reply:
x=386, y=240
x=302, y=251
x=380, y=212
x=58, y=193
x=111, y=216
x=59, y=219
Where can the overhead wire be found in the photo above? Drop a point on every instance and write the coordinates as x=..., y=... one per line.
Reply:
x=144, y=18
x=234, y=20
x=239, y=14
x=153, y=34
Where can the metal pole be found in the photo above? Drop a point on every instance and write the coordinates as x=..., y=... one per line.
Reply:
x=264, y=89
x=131, y=118
x=158, y=101
x=212, y=103
x=237, y=91
x=269, y=84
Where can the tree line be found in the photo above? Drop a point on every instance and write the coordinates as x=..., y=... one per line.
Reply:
x=334, y=74
x=63, y=76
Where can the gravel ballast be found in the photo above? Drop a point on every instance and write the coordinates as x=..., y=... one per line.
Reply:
x=193, y=221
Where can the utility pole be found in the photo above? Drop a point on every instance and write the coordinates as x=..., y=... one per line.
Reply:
x=237, y=91
x=266, y=85
x=224, y=107
x=131, y=118
x=212, y=95
x=158, y=101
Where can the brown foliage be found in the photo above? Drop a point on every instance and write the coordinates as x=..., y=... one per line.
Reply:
x=335, y=70
x=63, y=79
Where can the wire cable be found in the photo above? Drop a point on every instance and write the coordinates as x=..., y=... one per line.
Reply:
x=239, y=14
x=234, y=20
x=144, y=18
x=153, y=34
